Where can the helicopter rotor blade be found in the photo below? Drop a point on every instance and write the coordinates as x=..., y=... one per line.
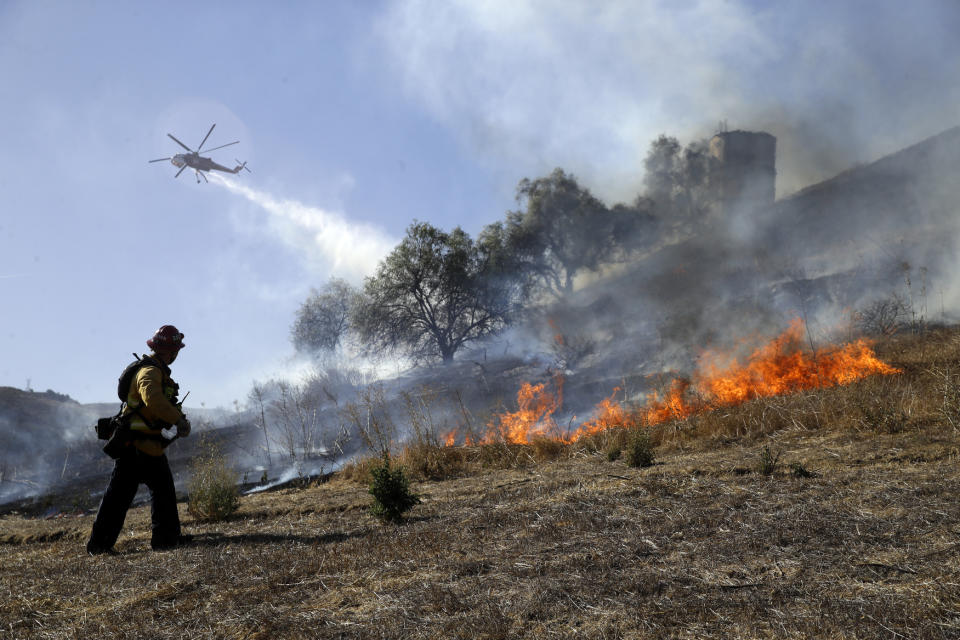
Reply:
x=180, y=143
x=205, y=137
x=222, y=146
x=181, y=171
x=243, y=165
x=158, y=160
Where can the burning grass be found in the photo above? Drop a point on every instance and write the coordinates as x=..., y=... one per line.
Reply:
x=551, y=538
x=779, y=367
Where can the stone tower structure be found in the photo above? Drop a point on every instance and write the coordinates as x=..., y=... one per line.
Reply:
x=744, y=172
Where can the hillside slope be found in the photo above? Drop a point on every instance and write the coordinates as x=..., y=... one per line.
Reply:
x=855, y=534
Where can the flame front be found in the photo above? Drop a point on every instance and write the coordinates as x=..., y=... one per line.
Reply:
x=533, y=417
x=781, y=366
x=610, y=414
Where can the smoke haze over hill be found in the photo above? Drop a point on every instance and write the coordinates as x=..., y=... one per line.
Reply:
x=586, y=87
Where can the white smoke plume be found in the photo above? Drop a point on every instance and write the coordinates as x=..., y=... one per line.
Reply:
x=347, y=249
x=587, y=86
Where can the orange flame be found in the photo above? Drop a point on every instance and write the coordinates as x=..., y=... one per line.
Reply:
x=675, y=406
x=781, y=366
x=533, y=417
x=610, y=414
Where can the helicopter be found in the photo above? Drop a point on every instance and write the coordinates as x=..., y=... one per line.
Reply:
x=199, y=163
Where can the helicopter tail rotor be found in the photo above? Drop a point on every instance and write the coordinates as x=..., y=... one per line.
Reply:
x=241, y=165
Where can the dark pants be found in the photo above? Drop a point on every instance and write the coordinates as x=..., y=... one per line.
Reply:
x=132, y=469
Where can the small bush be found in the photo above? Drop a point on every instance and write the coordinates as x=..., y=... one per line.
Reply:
x=614, y=453
x=768, y=461
x=639, y=449
x=391, y=493
x=213, y=486
x=883, y=317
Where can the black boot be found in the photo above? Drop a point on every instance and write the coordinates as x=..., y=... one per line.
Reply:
x=95, y=550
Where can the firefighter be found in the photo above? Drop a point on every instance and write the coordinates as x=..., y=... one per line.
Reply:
x=151, y=407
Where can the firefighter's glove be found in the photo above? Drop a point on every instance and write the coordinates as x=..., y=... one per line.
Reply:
x=183, y=427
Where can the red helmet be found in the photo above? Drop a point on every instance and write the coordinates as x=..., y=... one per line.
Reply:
x=167, y=338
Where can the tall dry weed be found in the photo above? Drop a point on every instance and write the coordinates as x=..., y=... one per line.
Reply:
x=435, y=462
x=214, y=494
x=370, y=416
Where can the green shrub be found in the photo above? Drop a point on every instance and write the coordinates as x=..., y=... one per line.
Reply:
x=213, y=486
x=768, y=461
x=391, y=493
x=639, y=449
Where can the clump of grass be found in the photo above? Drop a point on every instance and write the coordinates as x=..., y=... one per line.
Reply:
x=947, y=385
x=503, y=455
x=767, y=464
x=435, y=462
x=639, y=449
x=614, y=438
x=799, y=471
x=213, y=490
x=357, y=470
x=391, y=492
x=546, y=449
x=882, y=415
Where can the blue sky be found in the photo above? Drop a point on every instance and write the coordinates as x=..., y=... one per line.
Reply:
x=358, y=117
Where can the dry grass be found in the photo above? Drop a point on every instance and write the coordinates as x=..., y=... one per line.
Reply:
x=699, y=545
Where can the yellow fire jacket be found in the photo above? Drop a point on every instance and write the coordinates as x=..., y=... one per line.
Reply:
x=150, y=406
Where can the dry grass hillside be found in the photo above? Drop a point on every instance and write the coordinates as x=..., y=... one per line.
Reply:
x=852, y=531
